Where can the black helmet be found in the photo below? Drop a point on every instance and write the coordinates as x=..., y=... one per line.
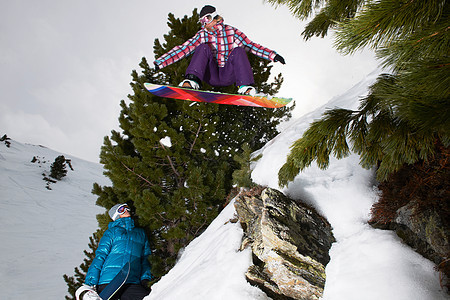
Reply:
x=207, y=9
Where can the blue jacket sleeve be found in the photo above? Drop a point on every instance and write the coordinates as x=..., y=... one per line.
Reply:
x=103, y=249
x=146, y=270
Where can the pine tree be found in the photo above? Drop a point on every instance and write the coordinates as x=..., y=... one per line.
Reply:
x=58, y=168
x=406, y=113
x=74, y=282
x=242, y=177
x=173, y=160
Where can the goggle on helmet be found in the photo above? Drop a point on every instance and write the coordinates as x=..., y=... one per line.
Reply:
x=208, y=18
x=120, y=211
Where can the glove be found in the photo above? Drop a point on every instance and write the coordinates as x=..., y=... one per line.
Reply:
x=86, y=292
x=279, y=58
x=146, y=284
x=156, y=67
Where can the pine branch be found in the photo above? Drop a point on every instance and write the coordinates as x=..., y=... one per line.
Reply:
x=127, y=167
x=171, y=163
x=196, y=136
x=382, y=22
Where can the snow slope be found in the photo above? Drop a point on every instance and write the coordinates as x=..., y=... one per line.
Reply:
x=43, y=232
x=365, y=263
x=211, y=266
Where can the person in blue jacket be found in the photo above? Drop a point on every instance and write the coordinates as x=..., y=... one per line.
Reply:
x=122, y=242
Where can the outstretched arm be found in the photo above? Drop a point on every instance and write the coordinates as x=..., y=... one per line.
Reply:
x=179, y=52
x=257, y=49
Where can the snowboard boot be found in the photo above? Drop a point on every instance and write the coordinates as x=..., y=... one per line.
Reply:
x=247, y=90
x=191, y=82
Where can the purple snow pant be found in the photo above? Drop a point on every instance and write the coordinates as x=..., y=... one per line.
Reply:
x=237, y=69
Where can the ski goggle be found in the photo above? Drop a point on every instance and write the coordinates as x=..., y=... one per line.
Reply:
x=122, y=209
x=208, y=18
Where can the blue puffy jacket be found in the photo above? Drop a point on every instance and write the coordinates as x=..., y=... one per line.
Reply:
x=121, y=242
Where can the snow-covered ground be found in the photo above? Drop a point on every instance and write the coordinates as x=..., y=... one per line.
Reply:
x=44, y=231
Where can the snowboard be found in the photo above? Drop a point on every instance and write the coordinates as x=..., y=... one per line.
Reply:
x=116, y=283
x=215, y=97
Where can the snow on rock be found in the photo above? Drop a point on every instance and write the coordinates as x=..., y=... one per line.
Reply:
x=43, y=232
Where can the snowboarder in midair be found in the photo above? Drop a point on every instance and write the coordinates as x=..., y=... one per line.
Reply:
x=122, y=242
x=220, y=57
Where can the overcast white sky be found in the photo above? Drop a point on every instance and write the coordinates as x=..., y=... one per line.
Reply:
x=65, y=64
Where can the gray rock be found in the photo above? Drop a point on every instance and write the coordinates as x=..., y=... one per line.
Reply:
x=423, y=230
x=426, y=232
x=290, y=243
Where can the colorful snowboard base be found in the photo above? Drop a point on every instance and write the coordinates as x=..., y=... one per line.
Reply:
x=215, y=97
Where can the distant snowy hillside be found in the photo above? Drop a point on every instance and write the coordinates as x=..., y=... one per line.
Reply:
x=43, y=232
x=366, y=264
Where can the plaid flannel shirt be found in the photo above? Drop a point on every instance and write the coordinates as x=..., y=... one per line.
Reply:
x=222, y=40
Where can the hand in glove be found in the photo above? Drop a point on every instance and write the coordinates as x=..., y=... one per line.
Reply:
x=156, y=67
x=86, y=292
x=280, y=59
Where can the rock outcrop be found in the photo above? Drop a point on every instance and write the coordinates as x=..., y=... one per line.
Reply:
x=426, y=232
x=290, y=243
x=415, y=203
